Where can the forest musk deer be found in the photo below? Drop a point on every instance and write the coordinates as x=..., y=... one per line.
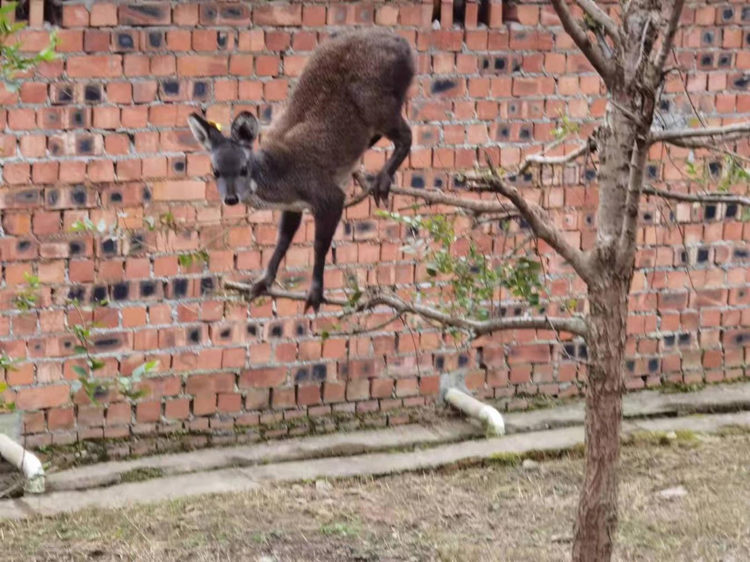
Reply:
x=350, y=94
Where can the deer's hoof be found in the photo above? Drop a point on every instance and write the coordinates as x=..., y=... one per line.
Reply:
x=381, y=188
x=314, y=299
x=259, y=288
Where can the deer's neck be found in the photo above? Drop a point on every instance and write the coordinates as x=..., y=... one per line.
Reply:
x=267, y=169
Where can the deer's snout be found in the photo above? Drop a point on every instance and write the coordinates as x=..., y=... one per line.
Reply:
x=231, y=200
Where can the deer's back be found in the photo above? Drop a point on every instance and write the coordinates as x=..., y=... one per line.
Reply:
x=336, y=99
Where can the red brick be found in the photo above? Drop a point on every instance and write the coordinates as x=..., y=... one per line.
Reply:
x=381, y=388
x=42, y=397
x=103, y=15
x=204, y=404
x=60, y=418
x=219, y=382
x=145, y=13
x=75, y=15
x=262, y=377
x=308, y=395
x=177, y=409
x=100, y=66
x=334, y=392
x=277, y=14
x=179, y=190
x=358, y=390
x=230, y=402
x=282, y=397
x=202, y=65
x=150, y=411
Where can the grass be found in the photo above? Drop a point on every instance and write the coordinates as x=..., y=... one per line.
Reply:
x=141, y=474
x=498, y=511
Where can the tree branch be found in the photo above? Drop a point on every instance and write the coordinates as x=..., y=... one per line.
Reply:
x=540, y=223
x=541, y=160
x=476, y=207
x=675, y=136
x=632, y=202
x=579, y=36
x=573, y=325
x=668, y=41
x=699, y=197
x=600, y=17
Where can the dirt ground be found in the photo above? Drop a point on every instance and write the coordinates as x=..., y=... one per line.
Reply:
x=503, y=511
x=11, y=481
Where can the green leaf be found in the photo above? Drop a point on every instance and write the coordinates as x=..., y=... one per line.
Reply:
x=95, y=364
x=3, y=387
x=8, y=363
x=9, y=8
x=141, y=370
x=79, y=349
x=32, y=280
x=80, y=371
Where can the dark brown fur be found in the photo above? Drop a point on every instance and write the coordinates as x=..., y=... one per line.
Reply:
x=351, y=93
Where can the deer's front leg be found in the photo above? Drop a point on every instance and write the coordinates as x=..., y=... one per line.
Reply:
x=327, y=214
x=400, y=136
x=290, y=221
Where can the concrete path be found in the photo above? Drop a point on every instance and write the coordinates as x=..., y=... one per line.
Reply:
x=641, y=404
x=373, y=464
x=648, y=403
x=329, y=445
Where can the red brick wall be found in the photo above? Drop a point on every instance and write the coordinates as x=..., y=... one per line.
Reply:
x=102, y=134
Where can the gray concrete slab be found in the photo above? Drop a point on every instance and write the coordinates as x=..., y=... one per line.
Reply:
x=329, y=445
x=374, y=464
x=714, y=398
x=640, y=404
x=10, y=424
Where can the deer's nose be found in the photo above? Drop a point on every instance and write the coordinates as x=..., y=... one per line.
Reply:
x=231, y=200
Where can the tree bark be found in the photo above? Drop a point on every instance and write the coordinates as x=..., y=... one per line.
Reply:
x=623, y=150
x=596, y=522
x=621, y=164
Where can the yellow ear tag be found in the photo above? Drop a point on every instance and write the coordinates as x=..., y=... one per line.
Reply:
x=217, y=125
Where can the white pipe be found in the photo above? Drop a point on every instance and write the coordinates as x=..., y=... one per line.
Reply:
x=24, y=461
x=489, y=416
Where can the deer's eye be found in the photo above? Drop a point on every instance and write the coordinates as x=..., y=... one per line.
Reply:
x=217, y=174
x=243, y=171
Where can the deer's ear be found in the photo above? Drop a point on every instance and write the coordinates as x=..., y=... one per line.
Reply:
x=204, y=132
x=245, y=128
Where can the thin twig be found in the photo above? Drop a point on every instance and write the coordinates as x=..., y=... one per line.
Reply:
x=541, y=160
x=365, y=330
x=580, y=38
x=668, y=41
x=600, y=17
x=539, y=221
x=705, y=198
x=735, y=130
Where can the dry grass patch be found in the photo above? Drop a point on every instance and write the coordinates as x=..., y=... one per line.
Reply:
x=501, y=511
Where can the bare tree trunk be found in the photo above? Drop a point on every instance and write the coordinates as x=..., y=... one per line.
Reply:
x=622, y=160
x=596, y=522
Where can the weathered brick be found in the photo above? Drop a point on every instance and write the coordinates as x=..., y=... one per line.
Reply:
x=277, y=14
x=145, y=14
x=42, y=397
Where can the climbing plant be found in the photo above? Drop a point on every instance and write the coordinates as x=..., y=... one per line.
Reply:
x=13, y=60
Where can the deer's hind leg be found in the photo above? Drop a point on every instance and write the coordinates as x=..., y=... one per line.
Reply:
x=400, y=136
x=381, y=111
x=327, y=213
x=290, y=221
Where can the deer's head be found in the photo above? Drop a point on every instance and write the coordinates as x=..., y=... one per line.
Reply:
x=231, y=158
